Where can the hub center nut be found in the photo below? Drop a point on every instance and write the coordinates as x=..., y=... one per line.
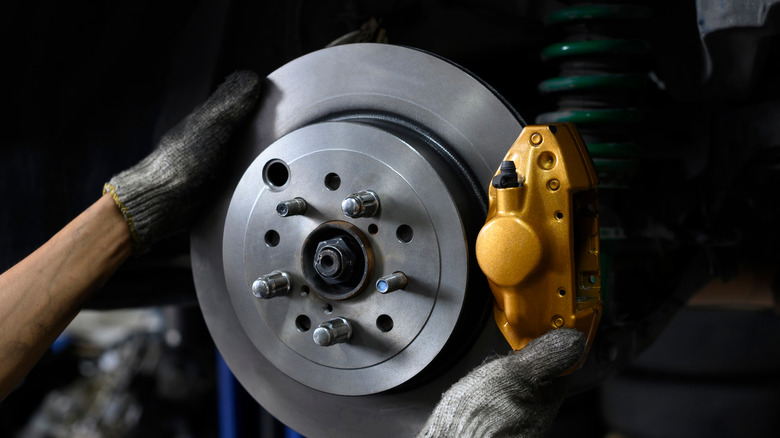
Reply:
x=334, y=260
x=337, y=260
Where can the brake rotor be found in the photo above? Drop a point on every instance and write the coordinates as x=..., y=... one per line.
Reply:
x=335, y=271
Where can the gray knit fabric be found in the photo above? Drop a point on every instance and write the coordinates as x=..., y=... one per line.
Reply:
x=158, y=195
x=513, y=396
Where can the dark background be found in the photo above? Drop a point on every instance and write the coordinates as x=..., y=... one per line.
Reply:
x=89, y=87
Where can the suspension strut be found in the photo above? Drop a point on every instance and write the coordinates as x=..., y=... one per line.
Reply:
x=601, y=88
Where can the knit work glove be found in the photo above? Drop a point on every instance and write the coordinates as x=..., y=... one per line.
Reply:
x=158, y=195
x=513, y=396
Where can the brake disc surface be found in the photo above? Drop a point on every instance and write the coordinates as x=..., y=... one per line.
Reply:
x=423, y=136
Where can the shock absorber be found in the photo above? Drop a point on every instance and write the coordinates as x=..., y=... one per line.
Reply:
x=600, y=88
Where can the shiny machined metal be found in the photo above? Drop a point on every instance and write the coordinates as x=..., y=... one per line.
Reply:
x=334, y=260
x=300, y=382
x=291, y=207
x=329, y=262
x=332, y=332
x=337, y=260
x=364, y=203
x=389, y=283
x=275, y=284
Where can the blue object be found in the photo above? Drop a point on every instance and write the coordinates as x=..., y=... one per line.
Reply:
x=61, y=343
x=226, y=400
x=231, y=399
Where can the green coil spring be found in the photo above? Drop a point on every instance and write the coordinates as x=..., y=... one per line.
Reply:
x=603, y=75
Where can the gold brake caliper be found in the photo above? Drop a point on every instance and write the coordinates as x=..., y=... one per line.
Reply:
x=539, y=247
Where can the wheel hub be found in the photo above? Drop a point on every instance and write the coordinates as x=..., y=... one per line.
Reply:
x=418, y=231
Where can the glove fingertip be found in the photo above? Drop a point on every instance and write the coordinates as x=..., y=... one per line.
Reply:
x=242, y=82
x=558, y=350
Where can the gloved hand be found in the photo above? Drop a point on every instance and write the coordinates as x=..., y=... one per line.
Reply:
x=158, y=195
x=513, y=396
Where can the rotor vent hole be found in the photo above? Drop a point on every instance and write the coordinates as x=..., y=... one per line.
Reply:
x=276, y=174
x=384, y=323
x=332, y=181
x=302, y=323
x=304, y=291
x=562, y=292
x=373, y=229
x=558, y=215
x=272, y=238
x=404, y=233
x=327, y=308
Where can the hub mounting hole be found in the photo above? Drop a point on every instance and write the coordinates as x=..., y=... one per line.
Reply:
x=384, y=323
x=332, y=181
x=272, y=238
x=276, y=174
x=404, y=233
x=302, y=323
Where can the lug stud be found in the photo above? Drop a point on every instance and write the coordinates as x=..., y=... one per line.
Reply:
x=392, y=282
x=364, y=203
x=292, y=207
x=332, y=332
x=275, y=284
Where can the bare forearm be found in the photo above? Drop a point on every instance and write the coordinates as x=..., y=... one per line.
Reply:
x=42, y=293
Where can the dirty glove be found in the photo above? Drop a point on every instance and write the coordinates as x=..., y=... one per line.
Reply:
x=157, y=195
x=513, y=396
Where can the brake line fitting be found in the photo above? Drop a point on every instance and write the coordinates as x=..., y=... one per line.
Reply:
x=539, y=247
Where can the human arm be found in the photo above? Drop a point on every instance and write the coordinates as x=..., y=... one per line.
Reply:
x=157, y=197
x=40, y=295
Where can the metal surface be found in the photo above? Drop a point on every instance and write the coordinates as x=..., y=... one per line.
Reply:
x=539, y=248
x=435, y=259
x=337, y=258
x=291, y=207
x=423, y=346
x=275, y=284
x=361, y=204
x=389, y=283
x=332, y=332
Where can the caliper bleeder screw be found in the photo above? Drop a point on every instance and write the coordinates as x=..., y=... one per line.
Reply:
x=388, y=283
x=292, y=207
x=275, y=284
x=332, y=332
x=364, y=203
x=507, y=176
